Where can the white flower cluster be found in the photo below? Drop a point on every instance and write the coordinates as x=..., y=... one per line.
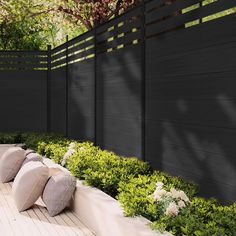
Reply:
x=70, y=151
x=178, y=199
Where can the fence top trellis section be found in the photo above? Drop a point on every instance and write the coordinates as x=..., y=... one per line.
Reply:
x=151, y=18
x=23, y=60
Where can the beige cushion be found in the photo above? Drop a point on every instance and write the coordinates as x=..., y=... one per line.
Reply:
x=4, y=147
x=54, y=170
x=58, y=192
x=29, y=184
x=32, y=157
x=10, y=163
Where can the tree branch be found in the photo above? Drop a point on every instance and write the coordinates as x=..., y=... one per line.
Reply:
x=76, y=15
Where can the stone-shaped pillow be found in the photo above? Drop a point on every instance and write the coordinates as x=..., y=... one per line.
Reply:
x=32, y=157
x=10, y=163
x=58, y=192
x=29, y=184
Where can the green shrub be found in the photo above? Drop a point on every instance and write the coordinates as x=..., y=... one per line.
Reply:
x=8, y=138
x=41, y=142
x=103, y=169
x=56, y=151
x=202, y=218
x=134, y=195
x=41, y=147
x=32, y=140
x=81, y=160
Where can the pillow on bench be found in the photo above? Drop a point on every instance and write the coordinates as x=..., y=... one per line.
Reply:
x=10, y=163
x=58, y=192
x=32, y=157
x=4, y=147
x=29, y=184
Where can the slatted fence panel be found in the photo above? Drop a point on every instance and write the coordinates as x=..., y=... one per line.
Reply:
x=143, y=84
x=58, y=100
x=190, y=98
x=81, y=87
x=23, y=90
x=119, y=85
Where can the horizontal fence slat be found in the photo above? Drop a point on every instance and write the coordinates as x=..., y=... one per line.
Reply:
x=23, y=53
x=71, y=42
x=119, y=41
x=181, y=20
x=58, y=63
x=82, y=37
x=81, y=55
x=170, y=9
x=154, y=4
x=59, y=48
x=59, y=55
x=119, y=30
x=132, y=13
x=81, y=46
x=23, y=66
x=22, y=59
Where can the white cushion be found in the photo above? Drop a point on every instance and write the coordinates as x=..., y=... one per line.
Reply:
x=10, y=163
x=29, y=184
x=58, y=192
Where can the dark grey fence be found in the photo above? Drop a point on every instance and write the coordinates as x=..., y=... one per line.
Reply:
x=157, y=82
x=23, y=90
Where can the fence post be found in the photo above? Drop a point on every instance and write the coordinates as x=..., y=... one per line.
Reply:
x=95, y=86
x=67, y=85
x=49, y=88
x=143, y=84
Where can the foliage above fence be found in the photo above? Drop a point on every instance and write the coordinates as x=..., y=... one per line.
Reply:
x=152, y=18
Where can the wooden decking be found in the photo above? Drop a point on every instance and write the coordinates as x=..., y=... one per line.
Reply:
x=36, y=220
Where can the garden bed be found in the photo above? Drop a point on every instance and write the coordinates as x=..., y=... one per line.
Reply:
x=103, y=215
x=169, y=203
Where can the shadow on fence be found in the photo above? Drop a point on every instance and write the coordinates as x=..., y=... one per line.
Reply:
x=157, y=82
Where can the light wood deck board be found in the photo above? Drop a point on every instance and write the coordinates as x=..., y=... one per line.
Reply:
x=22, y=222
x=36, y=221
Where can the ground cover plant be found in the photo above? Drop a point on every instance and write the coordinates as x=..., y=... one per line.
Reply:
x=170, y=203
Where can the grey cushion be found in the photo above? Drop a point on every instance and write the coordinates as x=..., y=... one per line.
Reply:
x=32, y=157
x=10, y=163
x=29, y=184
x=58, y=192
